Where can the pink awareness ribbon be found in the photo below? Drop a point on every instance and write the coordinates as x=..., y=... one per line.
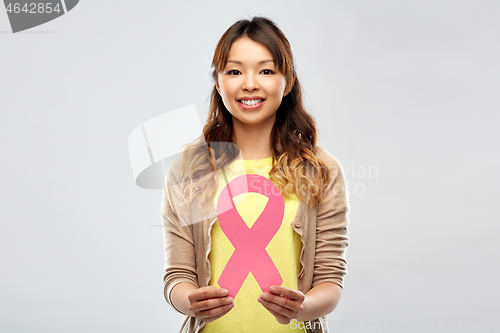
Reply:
x=250, y=253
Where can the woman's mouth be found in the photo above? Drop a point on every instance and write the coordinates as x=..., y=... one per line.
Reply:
x=250, y=104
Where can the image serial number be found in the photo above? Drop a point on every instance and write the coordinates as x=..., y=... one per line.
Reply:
x=34, y=8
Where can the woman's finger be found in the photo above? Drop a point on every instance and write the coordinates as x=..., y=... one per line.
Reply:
x=206, y=293
x=211, y=303
x=277, y=308
x=290, y=304
x=214, y=313
x=279, y=317
x=293, y=294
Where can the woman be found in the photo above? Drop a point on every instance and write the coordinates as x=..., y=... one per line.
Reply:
x=273, y=261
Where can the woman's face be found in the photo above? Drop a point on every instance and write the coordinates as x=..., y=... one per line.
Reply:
x=250, y=85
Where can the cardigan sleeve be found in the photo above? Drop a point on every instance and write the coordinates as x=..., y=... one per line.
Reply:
x=179, y=246
x=332, y=221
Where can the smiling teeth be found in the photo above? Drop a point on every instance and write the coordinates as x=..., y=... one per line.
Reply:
x=251, y=102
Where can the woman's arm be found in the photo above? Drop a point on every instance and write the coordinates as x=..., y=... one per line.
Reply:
x=181, y=280
x=329, y=257
x=179, y=247
x=320, y=301
x=332, y=236
x=179, y=297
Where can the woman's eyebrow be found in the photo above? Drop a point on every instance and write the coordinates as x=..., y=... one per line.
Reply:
x=260, y=62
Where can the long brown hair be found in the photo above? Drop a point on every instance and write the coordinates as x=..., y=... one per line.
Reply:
x=296, y=168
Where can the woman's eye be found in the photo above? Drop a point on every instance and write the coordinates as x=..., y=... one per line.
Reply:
x=233, y=72
x=267, y=71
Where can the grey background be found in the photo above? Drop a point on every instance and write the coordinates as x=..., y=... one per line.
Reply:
x=409, y=88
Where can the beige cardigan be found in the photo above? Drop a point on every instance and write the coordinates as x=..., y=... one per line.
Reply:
x=322, y=229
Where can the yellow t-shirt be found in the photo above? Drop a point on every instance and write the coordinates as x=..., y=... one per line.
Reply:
x=248, y=315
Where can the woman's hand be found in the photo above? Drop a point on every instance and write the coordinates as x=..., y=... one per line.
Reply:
x=209, y=303
x=285, y=304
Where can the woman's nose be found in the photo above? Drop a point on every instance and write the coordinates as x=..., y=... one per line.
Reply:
x=250, y=83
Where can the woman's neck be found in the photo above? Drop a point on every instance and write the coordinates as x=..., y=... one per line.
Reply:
x=253, y=141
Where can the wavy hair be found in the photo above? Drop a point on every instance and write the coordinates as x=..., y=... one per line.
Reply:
x=296, y=168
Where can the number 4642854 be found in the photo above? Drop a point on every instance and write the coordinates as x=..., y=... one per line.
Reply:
x=33, y=8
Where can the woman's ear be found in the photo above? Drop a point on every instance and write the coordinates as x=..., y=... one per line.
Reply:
x=287, y=90
x=217, y=87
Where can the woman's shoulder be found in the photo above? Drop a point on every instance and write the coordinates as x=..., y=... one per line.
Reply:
x=324, y=155
x=333, y=164
x=199, y=159
x=192, y=156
